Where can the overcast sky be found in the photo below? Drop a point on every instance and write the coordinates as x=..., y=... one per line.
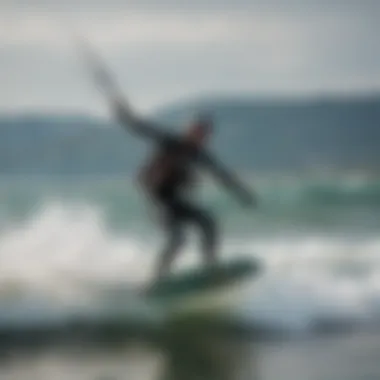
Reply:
x=163, y=51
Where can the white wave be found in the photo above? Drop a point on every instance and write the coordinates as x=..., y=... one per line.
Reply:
x=314, y=279
x=64, y=251
x=63, y=248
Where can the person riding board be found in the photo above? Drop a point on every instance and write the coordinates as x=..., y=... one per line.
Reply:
x=171, y=172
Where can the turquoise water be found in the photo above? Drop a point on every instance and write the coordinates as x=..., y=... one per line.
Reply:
x=336, y=205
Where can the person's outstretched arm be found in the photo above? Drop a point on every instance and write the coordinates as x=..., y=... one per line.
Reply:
x=229, y=180
x=146, y=129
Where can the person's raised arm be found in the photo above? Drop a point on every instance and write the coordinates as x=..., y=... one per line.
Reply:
x=229, y=180
x=137, y=125
x=119, y=105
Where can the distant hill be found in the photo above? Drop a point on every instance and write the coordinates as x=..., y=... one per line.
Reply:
x=340, y=134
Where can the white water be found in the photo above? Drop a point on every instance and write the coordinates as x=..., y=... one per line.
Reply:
x=63, y=253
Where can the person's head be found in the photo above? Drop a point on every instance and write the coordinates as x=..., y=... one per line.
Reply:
x=200, y=129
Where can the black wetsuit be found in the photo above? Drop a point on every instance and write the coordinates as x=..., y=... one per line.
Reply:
x=179, y=158
x=177, y=208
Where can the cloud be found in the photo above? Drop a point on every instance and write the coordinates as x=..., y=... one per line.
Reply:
x=165, y=50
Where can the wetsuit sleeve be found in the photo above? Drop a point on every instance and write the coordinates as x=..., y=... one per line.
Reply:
x=227, y=178
x=140, y=127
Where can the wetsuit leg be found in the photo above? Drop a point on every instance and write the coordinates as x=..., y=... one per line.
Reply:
x=209, y=238
x=173, y=225
x=203, y=220
x=179, y=212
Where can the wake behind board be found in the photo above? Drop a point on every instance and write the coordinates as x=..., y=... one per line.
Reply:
x=199, y=280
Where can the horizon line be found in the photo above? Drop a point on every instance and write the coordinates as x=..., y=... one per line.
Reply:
x=196, y=100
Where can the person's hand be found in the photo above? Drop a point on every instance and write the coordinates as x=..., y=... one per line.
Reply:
x=119, y=110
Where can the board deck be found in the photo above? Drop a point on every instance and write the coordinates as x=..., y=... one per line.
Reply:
x=198, y=280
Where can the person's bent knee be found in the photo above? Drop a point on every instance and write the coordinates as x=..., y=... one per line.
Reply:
x=208, y=224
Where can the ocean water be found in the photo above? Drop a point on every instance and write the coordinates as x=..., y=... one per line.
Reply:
x=66, y=247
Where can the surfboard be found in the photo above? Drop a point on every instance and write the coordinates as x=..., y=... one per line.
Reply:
x=197, y=280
